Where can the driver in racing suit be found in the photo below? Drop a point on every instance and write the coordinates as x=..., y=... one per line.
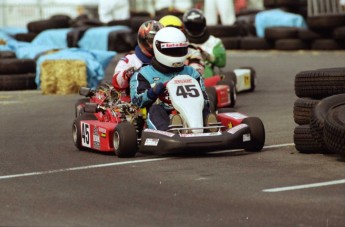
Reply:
x=170, y=48
x=211, y=47
x=142, y=55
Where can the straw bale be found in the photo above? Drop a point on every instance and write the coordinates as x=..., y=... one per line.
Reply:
x=63, y=77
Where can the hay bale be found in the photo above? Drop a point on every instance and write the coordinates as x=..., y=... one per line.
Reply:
x=63, y=77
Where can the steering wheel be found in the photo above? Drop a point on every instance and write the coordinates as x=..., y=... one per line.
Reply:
x=165, y=96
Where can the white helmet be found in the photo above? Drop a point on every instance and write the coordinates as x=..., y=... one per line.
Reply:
x=170, y=47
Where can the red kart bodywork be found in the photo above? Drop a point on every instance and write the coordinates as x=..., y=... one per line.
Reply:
x=98, y=134
x=223, y=91
x=231, y=119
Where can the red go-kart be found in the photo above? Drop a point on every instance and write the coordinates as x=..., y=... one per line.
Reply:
x=121, y=128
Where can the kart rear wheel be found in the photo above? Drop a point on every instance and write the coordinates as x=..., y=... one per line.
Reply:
x=76, y=129
x=232, y=88
x=125, y=140
x=226, y=110
x=212, y=96
x=230, y=76
x=79, y=106
x=257, y=134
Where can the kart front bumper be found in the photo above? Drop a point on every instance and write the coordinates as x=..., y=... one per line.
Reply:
x=161, y=142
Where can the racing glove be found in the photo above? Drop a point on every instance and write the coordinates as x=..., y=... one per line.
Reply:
x=128, y=73
x=157, y=90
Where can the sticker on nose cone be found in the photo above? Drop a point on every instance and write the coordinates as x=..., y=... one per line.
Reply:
x=151, y=142
x=246, y=137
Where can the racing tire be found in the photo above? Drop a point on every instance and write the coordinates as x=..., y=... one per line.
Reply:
x=319, y=115
x=229, y=76
x=7, y=54
x=308, y=35
x=17, y=82
x=304, y=141
x=339, y=33
x=320, y=84
x=42, y=25
x=325, y=44
x=257, y=134
x=79, y=106
x=334, y=130
x=25, y=37
x=125, y=140
x=255, y=43
x=76, y=130
x=291, y=44
x=276, y=33
x=302, y=110
x=212, y=97
x=226, y=110
x=233, y=94
x=224, y=30
x=231, y=43
x=17, y=66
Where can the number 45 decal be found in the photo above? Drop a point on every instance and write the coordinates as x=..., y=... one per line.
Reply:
x=85, y=135
x=187, y=90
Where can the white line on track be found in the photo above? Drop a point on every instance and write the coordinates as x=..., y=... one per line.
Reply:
x=304, y=186
x=115, y=164
x=80, y=168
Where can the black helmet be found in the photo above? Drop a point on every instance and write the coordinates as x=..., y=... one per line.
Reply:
x=194, y=23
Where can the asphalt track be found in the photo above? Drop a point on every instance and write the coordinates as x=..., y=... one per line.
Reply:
x=45, y=181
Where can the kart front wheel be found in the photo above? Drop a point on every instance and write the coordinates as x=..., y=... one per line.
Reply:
x=125, y=140
x=213, y=99
x=257, y=134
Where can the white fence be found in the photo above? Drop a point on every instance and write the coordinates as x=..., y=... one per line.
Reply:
x=16, y=14
x=324, y=8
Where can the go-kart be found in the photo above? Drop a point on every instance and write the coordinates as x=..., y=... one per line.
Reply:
x=121, y=128
x=222, y=88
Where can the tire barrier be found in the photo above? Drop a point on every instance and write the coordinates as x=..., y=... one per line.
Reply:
x=7, y=54
x=12, y=82
x=319, y=111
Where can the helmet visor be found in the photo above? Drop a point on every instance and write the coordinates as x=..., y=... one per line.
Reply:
x=172, y=49
x=195, y=29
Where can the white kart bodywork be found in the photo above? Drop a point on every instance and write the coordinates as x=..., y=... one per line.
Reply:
x=243, y=79
x=187, y=98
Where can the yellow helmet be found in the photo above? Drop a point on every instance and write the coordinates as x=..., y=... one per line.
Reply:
x=171, y=21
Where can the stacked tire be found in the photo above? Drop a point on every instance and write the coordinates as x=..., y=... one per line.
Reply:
x=16, y=74
x=319, y=111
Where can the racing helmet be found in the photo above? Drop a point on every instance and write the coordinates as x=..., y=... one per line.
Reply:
x=171, y=21
x=194, y=23
x=170, y=47
x=146, y=33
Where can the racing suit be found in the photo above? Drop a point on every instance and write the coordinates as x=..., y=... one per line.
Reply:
x=150, y=75
x=212, y=51
x=126, y=67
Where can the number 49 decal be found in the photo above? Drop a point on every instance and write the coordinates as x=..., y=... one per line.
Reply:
x=85, y=135
x=187, y=90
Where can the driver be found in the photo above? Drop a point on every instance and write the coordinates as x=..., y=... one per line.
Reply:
x=142, y=55
x=212, y=48
x=194, y=57
x=170, y=47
